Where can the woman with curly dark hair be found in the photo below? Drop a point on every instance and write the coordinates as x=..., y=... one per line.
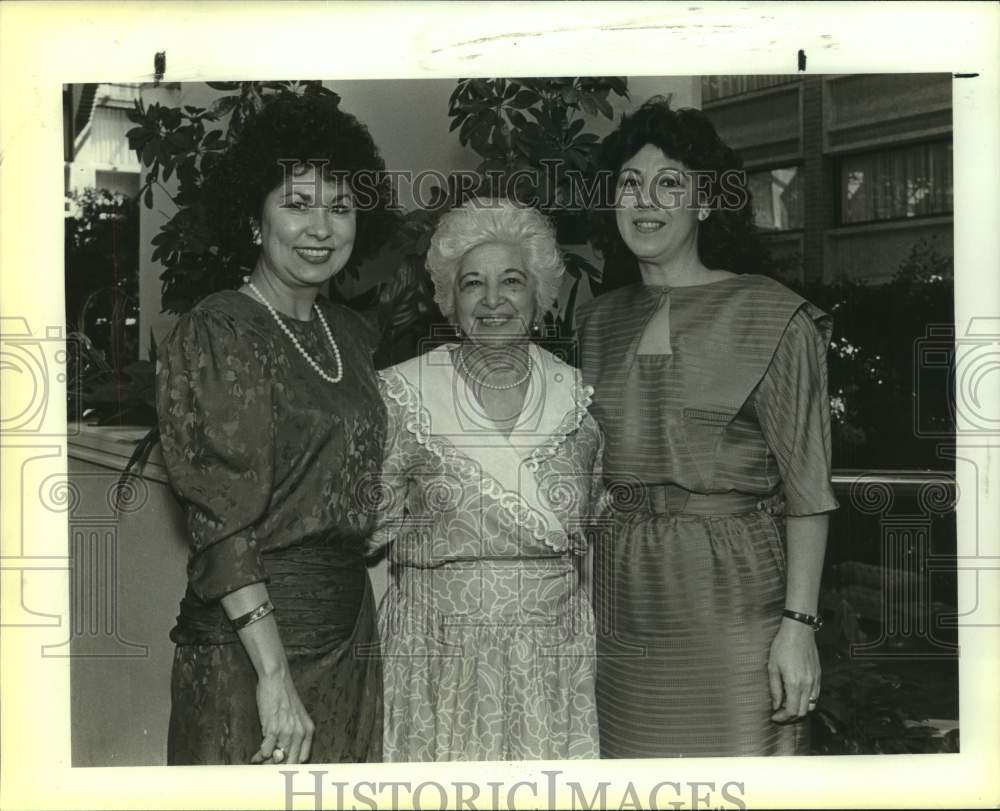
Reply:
x=710, y=383
x=269, y=415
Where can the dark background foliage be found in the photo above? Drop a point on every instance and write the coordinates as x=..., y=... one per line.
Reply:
x=873, y=705
x=876, y=378
x=106, y=381
x=102, y=269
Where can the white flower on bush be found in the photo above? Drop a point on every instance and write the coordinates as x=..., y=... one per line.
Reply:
x=838, y=406
x=844, y=348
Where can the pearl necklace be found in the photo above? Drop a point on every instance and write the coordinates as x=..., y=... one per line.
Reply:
x=484, y=384
x=326, y=328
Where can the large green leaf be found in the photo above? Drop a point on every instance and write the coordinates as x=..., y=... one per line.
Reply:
x=525, y=99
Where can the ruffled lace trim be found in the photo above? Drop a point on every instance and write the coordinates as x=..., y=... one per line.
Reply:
x=418, y=423
x=570, y=424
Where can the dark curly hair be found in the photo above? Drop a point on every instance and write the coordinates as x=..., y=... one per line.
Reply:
x=307, y=128
x=728, y=239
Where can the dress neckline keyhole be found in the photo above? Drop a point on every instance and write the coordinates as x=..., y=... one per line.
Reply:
x=655, y=339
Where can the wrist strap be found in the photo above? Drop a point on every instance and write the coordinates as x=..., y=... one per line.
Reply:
x=806, y=619
x=250, y=617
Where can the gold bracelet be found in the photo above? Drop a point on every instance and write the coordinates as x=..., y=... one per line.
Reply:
x=258, y=613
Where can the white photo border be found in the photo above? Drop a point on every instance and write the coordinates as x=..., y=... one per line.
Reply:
x=43, y=45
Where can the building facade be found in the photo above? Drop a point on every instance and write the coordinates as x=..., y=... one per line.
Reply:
x=849, y=173
x=96, y=152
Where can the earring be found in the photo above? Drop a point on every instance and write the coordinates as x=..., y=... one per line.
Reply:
x=255, y=233
x=536, y=327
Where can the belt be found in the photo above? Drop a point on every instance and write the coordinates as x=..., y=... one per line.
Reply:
x=317, y=588
x=661, y=499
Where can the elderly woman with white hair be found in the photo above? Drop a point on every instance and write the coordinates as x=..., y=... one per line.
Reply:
x=488, y=482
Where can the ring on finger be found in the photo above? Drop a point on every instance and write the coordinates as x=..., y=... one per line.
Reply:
x=278, y=753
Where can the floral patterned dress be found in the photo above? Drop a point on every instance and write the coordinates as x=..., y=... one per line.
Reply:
x=264, y=456
x=487, y=627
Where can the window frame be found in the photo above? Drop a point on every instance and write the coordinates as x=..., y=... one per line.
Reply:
x=783, y=79
x=838, y=175
x=799, y=166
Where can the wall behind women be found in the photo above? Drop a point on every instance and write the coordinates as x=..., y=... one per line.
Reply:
x=408, y=119
x=127, y=578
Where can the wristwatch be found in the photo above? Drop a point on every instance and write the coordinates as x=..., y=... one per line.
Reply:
x=807, y=619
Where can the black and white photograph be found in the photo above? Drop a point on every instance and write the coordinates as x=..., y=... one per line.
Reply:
x=491, y=422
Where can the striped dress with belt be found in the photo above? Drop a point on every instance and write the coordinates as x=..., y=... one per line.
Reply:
x=708, y=447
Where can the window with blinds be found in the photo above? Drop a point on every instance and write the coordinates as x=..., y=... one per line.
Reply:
x=893, y=184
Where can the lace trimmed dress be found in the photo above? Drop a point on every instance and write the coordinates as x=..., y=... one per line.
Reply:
x=487, y=627
x=709, y=446
x=264, y=456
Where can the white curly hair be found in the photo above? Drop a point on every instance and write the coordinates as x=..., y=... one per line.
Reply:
x=489, y=220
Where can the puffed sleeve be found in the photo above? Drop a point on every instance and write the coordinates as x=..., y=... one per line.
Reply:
x=396, y=462
x=794, y=412
x=215, y=417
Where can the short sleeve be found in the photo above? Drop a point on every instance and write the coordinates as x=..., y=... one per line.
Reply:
x=793, y=408
x=396, y=464
x=215, y=418
x=597, y=488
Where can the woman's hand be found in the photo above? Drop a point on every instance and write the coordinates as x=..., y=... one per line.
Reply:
x=284, y=722
x=794, y=671
x=793, y=666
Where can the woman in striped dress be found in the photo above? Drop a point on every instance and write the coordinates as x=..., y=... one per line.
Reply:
x=710, y=385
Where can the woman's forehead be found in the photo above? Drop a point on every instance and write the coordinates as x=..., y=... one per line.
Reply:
x=303, y=178
x=493, y=255
x=651, y=158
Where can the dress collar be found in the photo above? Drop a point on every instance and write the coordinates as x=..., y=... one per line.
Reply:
x=453, y=415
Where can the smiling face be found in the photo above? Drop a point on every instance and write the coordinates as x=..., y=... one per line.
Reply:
x=654, y=207
x=307, y=229
x=495, y=296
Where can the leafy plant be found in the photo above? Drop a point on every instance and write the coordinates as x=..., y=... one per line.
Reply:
x=406, y=310
x=533, y=131
x=532, y=136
